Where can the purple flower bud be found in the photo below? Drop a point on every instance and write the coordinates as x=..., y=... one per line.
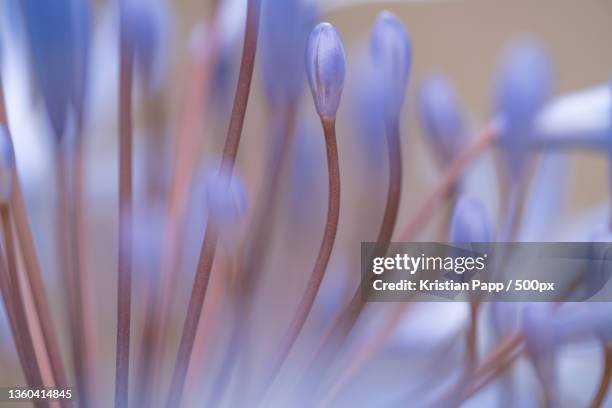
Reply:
x=441, y=117
x=7, y=165
x=58, y=34
x=524, y=84
x=470, y=222
x=284, y=33
x=147, y=27
x=325, y=68
x=226, y=200
x=392, y=55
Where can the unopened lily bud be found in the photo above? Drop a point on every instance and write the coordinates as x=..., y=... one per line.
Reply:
x=524, y=84
x=226, y=200
x=441, y=117
x=7, y=165
x=325, y=68
x=147, y=27
x=470, y=222
x=392, y=56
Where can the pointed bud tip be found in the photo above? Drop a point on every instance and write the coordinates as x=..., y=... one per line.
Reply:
x=325, y=68
x=392, y=55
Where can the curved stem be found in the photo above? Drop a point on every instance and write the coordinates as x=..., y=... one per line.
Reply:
x=604, y=383
x=209, y=245
x=344, y=322
x=124, y=284
x=325, y=250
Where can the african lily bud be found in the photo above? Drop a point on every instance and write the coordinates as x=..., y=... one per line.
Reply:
x=325, y=68
x=470, y=222
x=7, y=166
x=524, y=84
x=147, y=27
x=441, y=117
x=57, y=34
x=392, y=56
x=284, y=33
x=226, y=201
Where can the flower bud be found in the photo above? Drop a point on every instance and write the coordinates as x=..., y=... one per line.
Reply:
x=284, y=32
x=226, y=201
x=7, y=165
x=392, y=56
x=470, y=222
x=441, y=117
x=524, y=84
x=147, y=28
x=325, y=68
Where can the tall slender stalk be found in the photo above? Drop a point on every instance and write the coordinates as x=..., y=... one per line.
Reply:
x=209, y=244
x=124, y=287
x=32, y=266
x=325, y=250
x=18, y=304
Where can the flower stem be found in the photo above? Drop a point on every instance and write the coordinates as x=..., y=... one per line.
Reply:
x=325, y=250
x=604, y=384
x=18, y=305
x=33, y=271
x=344, y=322
x=209, y=244
x=124, y=284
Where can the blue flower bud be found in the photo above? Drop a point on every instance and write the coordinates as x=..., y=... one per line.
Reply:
x=524, y=84
x=392, y=56
x=7, y=165
x=470, y=222
x=226, y=201
x=58, y=34
x=147, y=27
x=284, y=33
x=441, y=117
x=325, y=68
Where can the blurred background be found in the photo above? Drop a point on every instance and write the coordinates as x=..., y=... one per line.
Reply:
x=463, y=39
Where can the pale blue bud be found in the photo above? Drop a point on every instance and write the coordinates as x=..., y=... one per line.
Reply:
x=524, y=84
x=470, y=222
x=441, y=117
x=392, y=56
x=285, y=27
x=325, y=68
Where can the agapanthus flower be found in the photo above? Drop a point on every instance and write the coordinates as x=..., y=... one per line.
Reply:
x=392, y=57
x=325, y=68
x=285, y=26
x=441, y=116
x=7, y=165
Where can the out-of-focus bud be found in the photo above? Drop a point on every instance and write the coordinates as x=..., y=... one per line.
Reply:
x=226, y=201
x=284, y=33
x=470, y=222
x=441, y=117
x=539, y=331
x=524, y=84
x=368, y=117
x=325, y=67
x=58, y=36
x=146, y=24
x=7, y=165
x=392, y=56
